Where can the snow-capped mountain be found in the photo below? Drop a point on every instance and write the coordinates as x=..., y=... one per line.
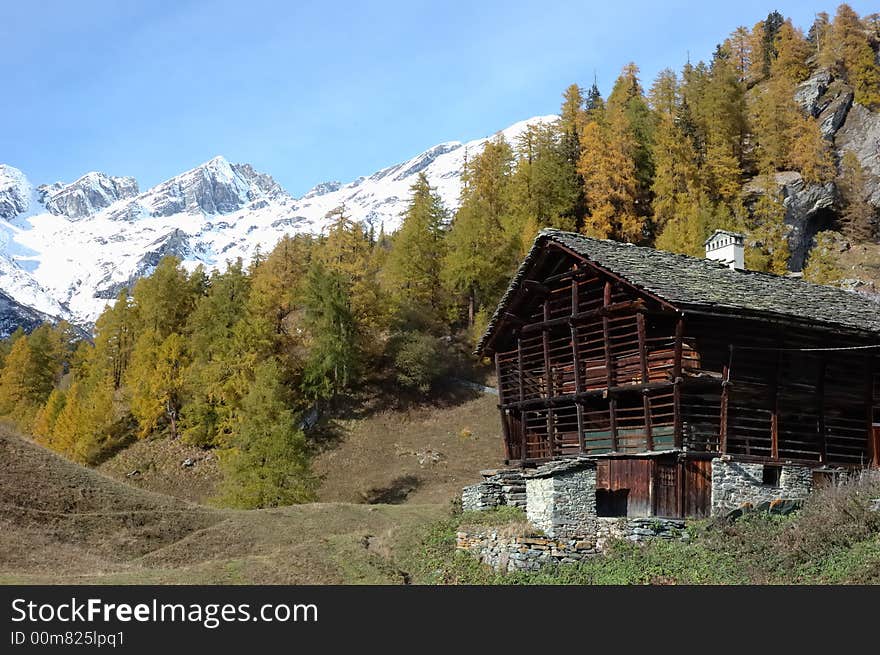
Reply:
x=66, y=250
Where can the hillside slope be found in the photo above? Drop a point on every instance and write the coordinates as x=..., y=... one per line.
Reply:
x=423, y=454
x=64, y=523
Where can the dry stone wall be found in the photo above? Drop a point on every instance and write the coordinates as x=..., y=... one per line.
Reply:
x=561, y=498
x=735, y=484
x=508, y=553
x=499, y=487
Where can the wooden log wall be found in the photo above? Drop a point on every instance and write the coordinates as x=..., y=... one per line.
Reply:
x=783, y=402
x=592, y=369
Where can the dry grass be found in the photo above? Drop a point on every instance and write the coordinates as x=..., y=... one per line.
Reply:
x=62, y=523
x=418, y=454
x=862, y=262
x=157, y=465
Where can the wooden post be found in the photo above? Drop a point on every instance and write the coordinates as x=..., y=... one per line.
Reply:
x=576, y=363
x=725, y=403
x=609, y=369
x=821, y=437
x=609, y=373
x=548, y=382
x=869, y=411
x=522, y=397
x=677, y=381
x=505, y=425
x=612, y=414
x=643, y=362
x=774, y=391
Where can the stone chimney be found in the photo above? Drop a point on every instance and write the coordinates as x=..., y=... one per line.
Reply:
x=726, y=247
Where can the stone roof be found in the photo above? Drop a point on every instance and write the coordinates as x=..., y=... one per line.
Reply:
x=705, y=284
x=557, y=466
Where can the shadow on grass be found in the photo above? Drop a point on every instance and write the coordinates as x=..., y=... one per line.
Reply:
x=395, y=493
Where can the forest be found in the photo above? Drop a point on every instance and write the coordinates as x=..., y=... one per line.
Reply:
x=232, y=359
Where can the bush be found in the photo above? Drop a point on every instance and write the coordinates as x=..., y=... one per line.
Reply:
x=419, y=360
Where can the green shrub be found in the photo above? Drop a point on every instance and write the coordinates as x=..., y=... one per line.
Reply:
x=419, y=360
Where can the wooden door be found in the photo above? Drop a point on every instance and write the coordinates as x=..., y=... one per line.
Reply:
x=697, y=487
x=667, y=489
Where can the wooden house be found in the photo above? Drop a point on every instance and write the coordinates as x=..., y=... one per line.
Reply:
x=660, y=366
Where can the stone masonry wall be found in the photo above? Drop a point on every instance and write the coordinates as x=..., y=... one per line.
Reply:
x=737, y=483
x=506, y=553
x=499, y=487
x=561, y=498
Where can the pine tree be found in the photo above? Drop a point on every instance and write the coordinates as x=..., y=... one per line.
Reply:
x=115, y=334
x=792, y=52
x=822, y=267
x=334, y=356
x=483, y=240
x=768, y=233
x=847, y=50
x=44, y=422
x=414, y=263
x=155, y=380
x=267, y=462
x=348, y=251
x=610, y=181
x=769, y=29
x=165, y=299
x=30, y=372
x=628, y=114
x=676, y=176
x=277, y=280
x=857, y=217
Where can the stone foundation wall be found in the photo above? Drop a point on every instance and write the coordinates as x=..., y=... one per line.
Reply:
x=736, y=483
x=561, y=498
x=638, y=529
x=523, y=553
x=507, y=553
x=499, y=487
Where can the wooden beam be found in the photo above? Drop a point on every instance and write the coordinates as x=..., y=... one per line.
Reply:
x=614, y=308
x=505, y=426
x=725, y=403
x=677, y=380
x=522, y=398
x=612, y=414
x=869, y=411
x=643, y=364
x=548, y=382
x=576, y=362
x=774, y=391
x=606, y=337
x=568, y=398
x=536, y=287
x=649, y=422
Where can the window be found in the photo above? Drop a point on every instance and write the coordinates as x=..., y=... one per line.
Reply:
x=770, y=476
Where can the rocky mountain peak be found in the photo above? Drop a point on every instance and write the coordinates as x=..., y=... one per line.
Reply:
x=89, y=194
x=15, y=192
x=214, y=187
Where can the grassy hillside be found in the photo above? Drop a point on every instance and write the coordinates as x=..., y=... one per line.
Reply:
x=61, y=522
x=424, y=453
x=64, y=523
x=367, y=451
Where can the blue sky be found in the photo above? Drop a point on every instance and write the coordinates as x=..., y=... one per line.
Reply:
x=314, y=91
